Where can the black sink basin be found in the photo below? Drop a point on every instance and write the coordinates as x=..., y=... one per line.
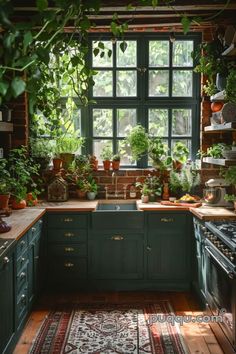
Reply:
x=116, y=206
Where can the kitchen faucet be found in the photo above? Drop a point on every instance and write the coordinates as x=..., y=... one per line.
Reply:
x=116, y=193
x=114, y=179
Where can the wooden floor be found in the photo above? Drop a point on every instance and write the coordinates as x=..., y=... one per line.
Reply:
x=198, y=336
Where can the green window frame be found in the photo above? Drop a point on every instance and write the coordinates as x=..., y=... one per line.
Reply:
x=175, y=106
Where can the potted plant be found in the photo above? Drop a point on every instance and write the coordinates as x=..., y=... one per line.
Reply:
x=229, y=175
x=231, y=198
x=157, y=151
x=180, y=154
x=5, y=184
x=106, y=155
x=137, y=139
x=184, y=181
x=41, y=151
x=81, y=188
x=93, y=162
x=91, y=188
x=145, y=191
x=66, y=147
x=116, y=162
x=23, y=171
x=216, y=150
x=155, y=188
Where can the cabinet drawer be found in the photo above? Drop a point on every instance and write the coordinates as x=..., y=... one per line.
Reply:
x=64, y=268
x=67, y=235
x=22, y=245
x=35, y=230
x=166, y=221
x=67, y=221
x=21, y=278
x=21, y=306
x=68, y=250
x=118, y=220
x=22, y=260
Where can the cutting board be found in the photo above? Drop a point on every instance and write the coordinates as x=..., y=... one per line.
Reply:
x=190, y=205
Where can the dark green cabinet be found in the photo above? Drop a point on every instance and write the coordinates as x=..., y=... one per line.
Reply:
x=168, y=248
x=116, y=255
x=6, y=301
x=67, y=248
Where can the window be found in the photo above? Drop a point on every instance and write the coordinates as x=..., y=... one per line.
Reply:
x=152, y=83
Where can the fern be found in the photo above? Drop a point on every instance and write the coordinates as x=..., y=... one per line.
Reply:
x=186, y=180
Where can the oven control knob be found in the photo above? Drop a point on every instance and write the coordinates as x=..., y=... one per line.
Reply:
x=226, y=252
x=217, y=243
x=203, y=228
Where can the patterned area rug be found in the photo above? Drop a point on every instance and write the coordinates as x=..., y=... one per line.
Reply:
x=108, y=329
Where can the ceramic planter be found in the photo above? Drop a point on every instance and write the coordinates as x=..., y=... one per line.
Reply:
x=91, y=195
x=115, y=165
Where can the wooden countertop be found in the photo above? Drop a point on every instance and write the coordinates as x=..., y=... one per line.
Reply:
x=22, y=220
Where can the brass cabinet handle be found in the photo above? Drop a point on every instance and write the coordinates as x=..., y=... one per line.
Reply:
x=68, y=220
x=69, y=234
x=33, y=229
x=69, y=249
x=36, y=257
x=117, y=238
x=40, y=222
x=149, y=249
x=167, y=220
x=23, y=298
x=6, y=260
x=68, y=265
x=22, y=243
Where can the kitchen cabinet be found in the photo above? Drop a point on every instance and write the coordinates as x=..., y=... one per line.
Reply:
x=116, y=255
x=6, y=301
x=168, y=248
x=67, y=247
x=200, y=259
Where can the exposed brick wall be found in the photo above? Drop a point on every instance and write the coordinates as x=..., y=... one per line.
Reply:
x=20, y=119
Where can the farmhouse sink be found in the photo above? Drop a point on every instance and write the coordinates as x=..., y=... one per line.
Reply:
x=116, y=205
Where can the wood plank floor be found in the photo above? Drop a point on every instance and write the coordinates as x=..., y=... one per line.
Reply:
x=198, y=336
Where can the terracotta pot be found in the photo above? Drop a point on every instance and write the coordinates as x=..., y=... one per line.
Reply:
x=4, y=200
x=106, y=165
x=18, y=205
x=57, y=163
x=80, y=194
x=115, y=165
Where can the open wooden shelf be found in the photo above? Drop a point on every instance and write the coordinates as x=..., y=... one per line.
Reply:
x=220, y=127
x=6, y=127
x=231, y=51
x=219, y=96
x=220, y=162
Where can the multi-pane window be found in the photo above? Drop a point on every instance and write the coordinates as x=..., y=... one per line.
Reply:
x=151, y=83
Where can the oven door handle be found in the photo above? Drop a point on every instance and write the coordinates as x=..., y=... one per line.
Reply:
x=230, y=274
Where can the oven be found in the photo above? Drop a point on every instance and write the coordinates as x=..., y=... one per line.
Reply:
x=221, y=286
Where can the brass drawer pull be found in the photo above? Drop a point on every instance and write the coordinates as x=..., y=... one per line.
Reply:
x=167, y=220
x=68, y=220
x=40, y=222
x=69, y=249
x=22, y=259
x=23, y=298
x=33, y=229
x=69, y=234
x=22, y=243
x=117, y=238
x=68, y=265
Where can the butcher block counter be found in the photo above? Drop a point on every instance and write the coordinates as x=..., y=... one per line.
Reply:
x=22, y=220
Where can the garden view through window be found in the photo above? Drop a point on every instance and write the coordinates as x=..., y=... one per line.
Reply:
x=151, y=83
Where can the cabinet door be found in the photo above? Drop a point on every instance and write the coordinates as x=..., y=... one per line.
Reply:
x=6, y=302
x=116, y=256
x=167, y=256
x=34, y=265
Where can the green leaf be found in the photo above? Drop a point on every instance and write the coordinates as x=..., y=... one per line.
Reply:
x=85, y=23
x=114, y=28
x=130, y=7
x=154, y=3
x=101, y=45
x=17, y=86
x=109, y=53
x=95, y=51
x=75, y=61
x=123, y=46
x=3, y=87
x=28, y=38
x=42, y=4
x=186, y=22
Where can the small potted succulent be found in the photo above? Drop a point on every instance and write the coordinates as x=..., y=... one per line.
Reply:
x=106, y=155
x=116, y=162
x=91, y=188
x=81, y=188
